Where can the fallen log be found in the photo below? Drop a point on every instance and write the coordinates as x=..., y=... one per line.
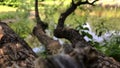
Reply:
x=14, y=50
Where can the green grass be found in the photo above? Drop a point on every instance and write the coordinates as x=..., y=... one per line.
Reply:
x=7, y=15
x=6, y=9
x=7, y=12
x=109, y=17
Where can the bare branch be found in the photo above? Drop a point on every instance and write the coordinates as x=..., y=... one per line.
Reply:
x=64, y=15
x=90, y=3
x=83, y=52
x=70, y=34
x=38, y=19
x=94, y=1
x=39, y=31
x=86, y=2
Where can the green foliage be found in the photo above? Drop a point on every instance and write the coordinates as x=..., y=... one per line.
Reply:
x=22, y=11
x=14, y=3
x=22, y=24
x=84, y=31
x=50, y=14
x=113, y=47
x=7, y=15
x=42, y=54
x=109, y=47
x=23, y=27
x=99, y=25
x=104, y=19
x=50, y=11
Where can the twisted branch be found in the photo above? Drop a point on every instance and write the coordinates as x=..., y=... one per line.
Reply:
x=83, y=51
x=70, y=34
x=64, y=15
x=39, y=31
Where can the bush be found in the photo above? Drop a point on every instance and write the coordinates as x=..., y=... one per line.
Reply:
x=110, y=47
x=23, y=27
x=14, y=3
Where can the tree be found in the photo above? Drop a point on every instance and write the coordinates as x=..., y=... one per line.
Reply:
x=80, y=54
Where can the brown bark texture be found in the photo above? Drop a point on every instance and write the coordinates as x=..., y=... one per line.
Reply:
x=13, y=49
x=52, y=46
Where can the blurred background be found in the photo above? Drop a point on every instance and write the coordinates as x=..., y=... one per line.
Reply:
x=99, y=24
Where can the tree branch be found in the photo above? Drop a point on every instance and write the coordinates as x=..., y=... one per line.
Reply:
x=38, y=19
x=70, y=34
x=64, y=15
x=90, y=3
x=52, y=46
x=83, y=51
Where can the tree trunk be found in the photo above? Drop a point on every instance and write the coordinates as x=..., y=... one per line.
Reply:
x=14, y=50
x=82, y=52
x=52, y=46
x=81, y=55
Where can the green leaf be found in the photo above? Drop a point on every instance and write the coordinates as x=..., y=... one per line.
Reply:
x=89, y=35
x=86, y=28
x=100, y=33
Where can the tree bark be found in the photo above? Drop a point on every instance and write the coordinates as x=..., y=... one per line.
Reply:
x=52, y=46
x=82, y=54
x=14, y=50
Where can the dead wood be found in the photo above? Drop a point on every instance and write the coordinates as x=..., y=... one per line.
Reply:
x=13, y=49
